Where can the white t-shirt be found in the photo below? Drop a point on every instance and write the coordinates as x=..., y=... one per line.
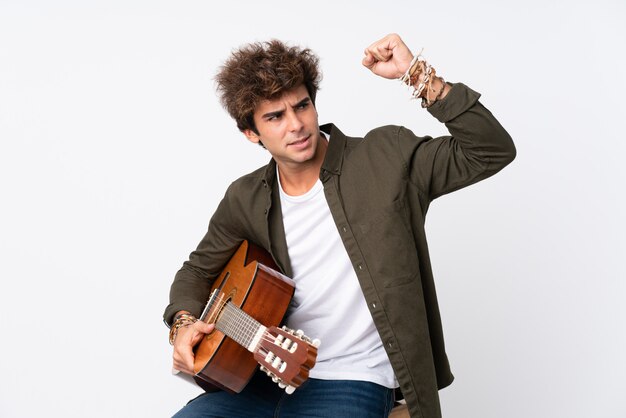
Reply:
x=328, y=303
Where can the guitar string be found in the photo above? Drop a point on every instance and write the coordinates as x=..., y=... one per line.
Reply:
x=233, y=332
x=233, y=318
x=231, y=327
x=242, y=326
x=243, y=323
x=239, y=325
x=250, y=327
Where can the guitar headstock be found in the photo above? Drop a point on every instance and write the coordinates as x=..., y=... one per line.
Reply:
x=286, y=356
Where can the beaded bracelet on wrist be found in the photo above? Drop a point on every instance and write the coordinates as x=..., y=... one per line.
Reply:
x=182, y=320
x=422, y=73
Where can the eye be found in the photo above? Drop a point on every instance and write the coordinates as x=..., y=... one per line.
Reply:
x=303, y=105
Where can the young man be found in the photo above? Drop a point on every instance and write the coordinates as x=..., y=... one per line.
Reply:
x=344, y=217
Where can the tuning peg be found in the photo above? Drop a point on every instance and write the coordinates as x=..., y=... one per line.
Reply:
x=269, y=357
x=289, y=389
x=316, y=342
x=286, y=343
x=277, y=362
x=282, y=385
x=299, y=333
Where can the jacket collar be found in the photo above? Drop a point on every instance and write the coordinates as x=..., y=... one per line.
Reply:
x=334, y=154
x=332, y=161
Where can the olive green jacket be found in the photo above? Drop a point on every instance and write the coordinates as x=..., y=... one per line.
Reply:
x=378, y=189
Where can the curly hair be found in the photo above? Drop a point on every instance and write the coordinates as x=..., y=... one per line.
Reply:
x=264, y=71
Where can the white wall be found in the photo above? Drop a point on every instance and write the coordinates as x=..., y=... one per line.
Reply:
x=115, y=151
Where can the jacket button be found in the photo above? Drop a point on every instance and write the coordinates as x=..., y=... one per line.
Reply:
x=344, y=229
x=265, y=211
x=360, y=266
x=374, y=305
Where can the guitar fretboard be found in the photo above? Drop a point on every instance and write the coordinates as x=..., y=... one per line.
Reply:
x=238, y=325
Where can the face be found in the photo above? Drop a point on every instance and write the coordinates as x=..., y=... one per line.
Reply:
x=288, y=129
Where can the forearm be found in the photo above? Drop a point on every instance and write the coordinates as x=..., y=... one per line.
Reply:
x=188, y=294
x=479, y=135
x=477, y=147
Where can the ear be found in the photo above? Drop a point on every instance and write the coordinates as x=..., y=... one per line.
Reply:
x=252, y=137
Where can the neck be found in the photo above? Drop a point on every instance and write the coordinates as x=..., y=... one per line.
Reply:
x=297, y=179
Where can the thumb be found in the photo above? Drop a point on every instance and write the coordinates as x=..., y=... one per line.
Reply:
x=203, y=327
x=368, y=60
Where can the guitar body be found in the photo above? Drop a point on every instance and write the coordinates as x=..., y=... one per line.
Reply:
x=250, y=282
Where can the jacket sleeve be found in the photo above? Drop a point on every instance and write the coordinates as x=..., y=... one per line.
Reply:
x=192, y=283
x=477, y=147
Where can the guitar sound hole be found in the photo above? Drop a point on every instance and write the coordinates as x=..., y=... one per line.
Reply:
x=218, y=309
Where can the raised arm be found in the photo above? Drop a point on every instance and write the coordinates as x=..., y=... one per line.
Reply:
x=477, y=147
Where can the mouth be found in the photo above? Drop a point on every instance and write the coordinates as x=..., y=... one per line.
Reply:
x=299, y=142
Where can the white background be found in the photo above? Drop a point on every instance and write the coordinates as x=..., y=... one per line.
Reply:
x=115, y=152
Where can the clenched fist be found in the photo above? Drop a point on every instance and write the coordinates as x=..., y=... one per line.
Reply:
x=388, y=57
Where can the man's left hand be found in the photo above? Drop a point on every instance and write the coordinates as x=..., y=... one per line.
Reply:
x=388, y=57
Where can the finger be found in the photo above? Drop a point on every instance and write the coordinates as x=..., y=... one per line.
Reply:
x=368, y=60
x=385, y=51
x=198, y=330
x=184, y=359
x=381, y=52
x=180, y=367
x=187, y=338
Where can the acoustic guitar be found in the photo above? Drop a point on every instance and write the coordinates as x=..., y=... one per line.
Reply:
x=247, y=303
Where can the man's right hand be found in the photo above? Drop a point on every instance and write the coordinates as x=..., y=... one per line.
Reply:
x=185, y=341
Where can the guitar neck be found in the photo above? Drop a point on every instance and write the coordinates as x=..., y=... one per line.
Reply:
x=241, y=327
x=247, y=302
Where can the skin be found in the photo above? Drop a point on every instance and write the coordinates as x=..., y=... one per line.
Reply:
x=389, y=57
x=288, y=128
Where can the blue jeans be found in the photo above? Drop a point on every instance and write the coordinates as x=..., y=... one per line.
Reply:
x=262, y=398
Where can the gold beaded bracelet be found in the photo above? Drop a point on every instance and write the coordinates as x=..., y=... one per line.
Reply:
x=181, y=321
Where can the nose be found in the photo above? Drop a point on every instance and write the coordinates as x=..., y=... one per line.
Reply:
x=295, y=124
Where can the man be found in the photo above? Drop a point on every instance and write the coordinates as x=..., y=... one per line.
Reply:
x=344, y=217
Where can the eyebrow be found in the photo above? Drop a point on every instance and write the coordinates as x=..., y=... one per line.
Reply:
x=306, y=100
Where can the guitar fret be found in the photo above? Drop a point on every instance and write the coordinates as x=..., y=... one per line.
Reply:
x=237, y=325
